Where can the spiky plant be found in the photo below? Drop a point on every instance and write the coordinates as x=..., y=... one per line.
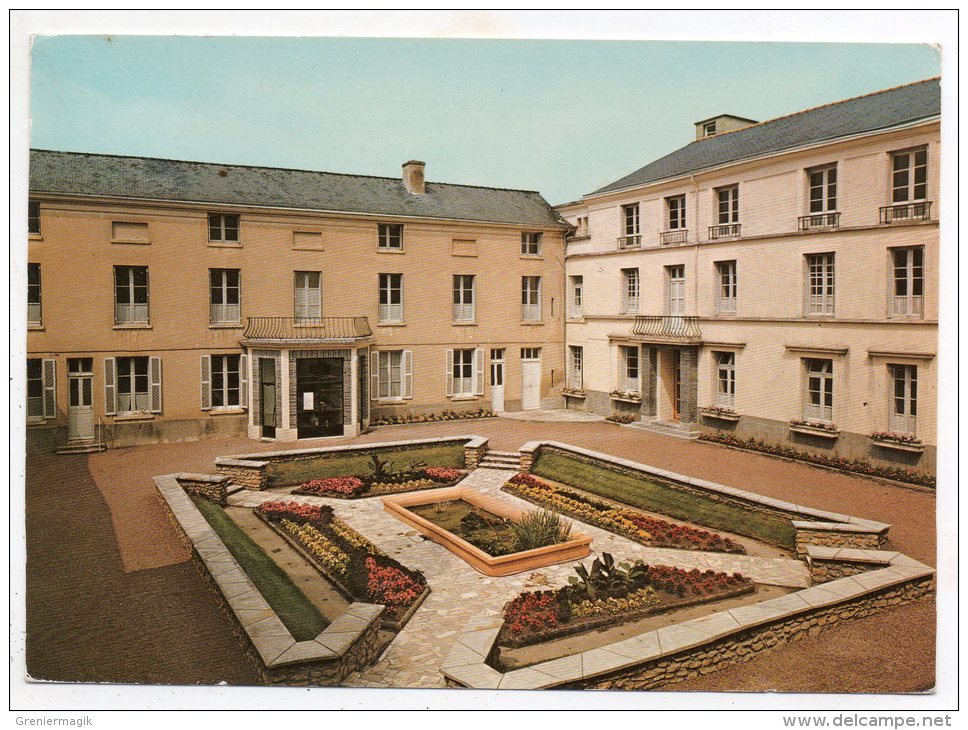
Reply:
x=539, y=528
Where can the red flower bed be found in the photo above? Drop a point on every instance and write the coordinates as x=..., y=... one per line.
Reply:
x=667, y=532
x=692, y=582
x=296, y=511
x=442, y=473
x=391, y=586
x=532, y=611
x=342, y=486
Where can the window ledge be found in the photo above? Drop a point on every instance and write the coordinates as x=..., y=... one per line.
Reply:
x=626, y=399
x=812, y=431
x=231, y=411
x=532, y=256
x=531, y=322
x=37, y=421
x=125, y=417
x=34, y=237
x=35, y=327
x=719, y=415
x=225, y=244
x=133, y=326
x=464, y=323
x=389, y=250
x=898, y=445
x=135, y=241
x=464, y=255
x=226, y=326
x=318, y=249
x=391, y=401
x=463, y=397
x=391, y=324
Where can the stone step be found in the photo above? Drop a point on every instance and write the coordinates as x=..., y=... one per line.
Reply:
x=82, y=447
x=510, y=463
x=496, y=457
x=507, y=454
x=501, y=467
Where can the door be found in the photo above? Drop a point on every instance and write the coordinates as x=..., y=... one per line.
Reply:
x=676, y=384
x=530, y=378
x=497, y=380
x=319, y=397
x=677, y=290
x=80, y=412
x=267, y=381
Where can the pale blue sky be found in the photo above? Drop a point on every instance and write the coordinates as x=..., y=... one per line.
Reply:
x=560, y=117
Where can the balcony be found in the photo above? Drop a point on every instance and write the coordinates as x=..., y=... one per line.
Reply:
x=625, y=242
x=678, y=236
x=818, y=221
x=728, y=230
x=906, y=212
x=306, y=329
x=667, y=329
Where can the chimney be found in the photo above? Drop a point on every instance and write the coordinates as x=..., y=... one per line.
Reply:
x=413, y=177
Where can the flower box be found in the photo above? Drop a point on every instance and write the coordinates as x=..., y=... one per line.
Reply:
x=719, y=415
x=574, y=393
x=627, y=397
x=821, y=432
x=914, y=447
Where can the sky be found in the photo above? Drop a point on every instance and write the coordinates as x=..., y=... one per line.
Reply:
x=558, y=116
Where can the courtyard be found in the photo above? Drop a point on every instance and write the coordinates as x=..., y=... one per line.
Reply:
x=113, y=597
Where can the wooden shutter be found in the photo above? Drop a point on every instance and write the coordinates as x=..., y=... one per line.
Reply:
x=374, y=375
x=50, y=388
x=450, y=372
x=154, y=383
x=110, y=388
x=407, y=367
x=243, y=381
x=206, y=382
x=479, y=371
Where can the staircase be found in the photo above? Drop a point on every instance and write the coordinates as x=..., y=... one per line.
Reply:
x=82, y=447
x=668, y=428
x=507, y=460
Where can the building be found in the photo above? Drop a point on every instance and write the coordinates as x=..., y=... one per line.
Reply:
x=172, y=300
x=777, y=280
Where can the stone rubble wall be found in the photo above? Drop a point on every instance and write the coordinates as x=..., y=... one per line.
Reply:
x=806, y=536
x=244, y=473
x=212, y=488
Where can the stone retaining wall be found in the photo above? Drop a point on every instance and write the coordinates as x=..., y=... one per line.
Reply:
x=244, y=473
x=213, y=488
x=836, y=535
x=830, y=563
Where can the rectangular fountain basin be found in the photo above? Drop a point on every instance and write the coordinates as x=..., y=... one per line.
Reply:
x=575, y=548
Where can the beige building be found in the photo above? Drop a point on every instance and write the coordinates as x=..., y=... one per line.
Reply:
x=777, y=280
x=172, y=300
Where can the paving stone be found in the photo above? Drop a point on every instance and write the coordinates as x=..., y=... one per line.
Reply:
x=600, y=661
x=303, y=651
x=642, y=646
x=271, y=626
x=568, y=668
x=337, y=641
x=525, y=679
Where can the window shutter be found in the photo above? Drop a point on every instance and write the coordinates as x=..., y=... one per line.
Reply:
x=479, y=371
x=206, y=382
x=314, y=299
x=154, y=383
x=450, y=372
x=407, y=391
x=374, y=375
x=243, y=381
x=110, y=406
x=50, y=388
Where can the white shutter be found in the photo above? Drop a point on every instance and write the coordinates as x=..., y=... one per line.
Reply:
x=50, y=388
x=206, y=382
x=110, y=388
x=479, y=371
x=374, y=375
x=243, y=381
x=407, y=390
x=154, y=383
x=450, y=372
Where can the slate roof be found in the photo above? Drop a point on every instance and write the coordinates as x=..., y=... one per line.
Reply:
x=869, y=113
x=110, y=176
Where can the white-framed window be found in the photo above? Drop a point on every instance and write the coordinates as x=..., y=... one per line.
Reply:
x=464, y=297
x=676, y=207
x=223, y=381
x=576, y=306
x=132, y=385
x=531, y=353
x=726, y=288
x=224, y=296
x=33, y=217
x=818, y=402
x=709, y=129
x=628, y=368
x=909, y=175
x=531, y=298
x=725, y=378
x=307, y=295
x=34, y=310
x=630, y=219
x=497, y=366
x=576, y=362
x=907, y=278
x=131, y=295
x=727, y=202
x=530, y=243
x=41, y=388
x=630, y=291
x=390, y=236
x=465, y=372
x=392, y=374
x=822, y=183
x=391, y=298
x=820, y=283
x=223, y=228
x=676, y=290
x=903, y=413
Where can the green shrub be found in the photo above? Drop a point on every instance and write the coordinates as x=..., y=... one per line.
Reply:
x=539, y=528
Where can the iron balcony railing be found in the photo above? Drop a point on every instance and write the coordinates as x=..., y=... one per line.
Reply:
x=818, y=220
x=667, y=328
x=677, y=236
x=630, y=241
x=307, y=328
x=726, y=230
x=906, y=212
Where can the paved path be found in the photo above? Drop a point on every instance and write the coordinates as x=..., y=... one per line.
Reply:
x=558, y=415
x=459, y=593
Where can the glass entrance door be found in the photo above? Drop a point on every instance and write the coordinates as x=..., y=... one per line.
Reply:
x=319, y=397
x=267, y=380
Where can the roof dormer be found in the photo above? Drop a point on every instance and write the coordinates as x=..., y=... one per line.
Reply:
x=719, y=124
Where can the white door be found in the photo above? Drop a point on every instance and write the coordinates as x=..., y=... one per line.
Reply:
x=80, y=413
x=497, y=380
x=531, y=379
x=677, y=291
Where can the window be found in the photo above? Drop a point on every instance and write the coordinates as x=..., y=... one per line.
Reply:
x=132, y=385
x=392, y=374
x=575, y=379
x=728, y=204
x=531, y=298
x=463, y=298
x=224, y=307
x=709, y=129
x=725, y=378
x=530, y=353
x=726, y=289
x=307, y=297
x=908, y=275
x=223, y=228
x=582, y=227
x=909, y=180
x=34, y=313
x=630, y=291
x=33, y=217
x=820, y=283
x=131, y=295
x=576, y=310
x=904, y=398
x=465, y=372
x=630, y=237
x=391, y=298
x=497, y=366
x=223, y=381
x=819, y=397
x=628, y=374
x=823, y=188
x=530, y=244
x=390, y=236
x=41, y=388
x=676, y=290
x=676, y=206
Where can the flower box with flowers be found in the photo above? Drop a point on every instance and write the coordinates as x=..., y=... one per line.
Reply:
x=573, y=393
x=897, y=440
x=815, y=428
x=626, y=396
x=720, y=413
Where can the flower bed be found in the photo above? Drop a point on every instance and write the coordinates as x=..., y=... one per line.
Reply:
x=610, y=594
x=446, y=415
x=352, y=487
x=621, y=418
x=354, y=564
x=834, y=462
x=622, y=520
